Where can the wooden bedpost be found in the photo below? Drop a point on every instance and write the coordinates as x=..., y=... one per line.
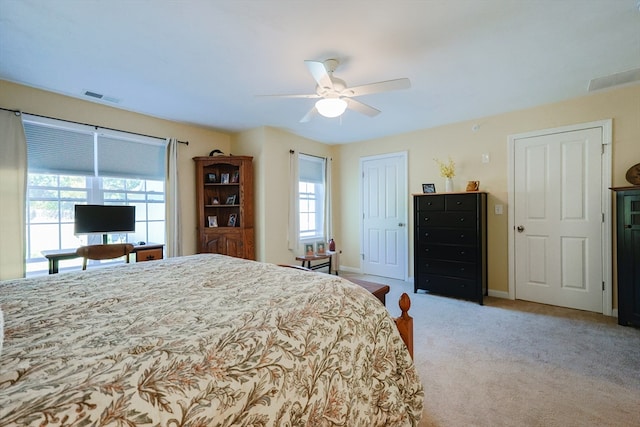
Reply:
x=405, y=322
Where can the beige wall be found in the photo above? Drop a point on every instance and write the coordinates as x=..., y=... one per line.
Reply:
x=466, y=146
x=201, y=140
x=270, y=149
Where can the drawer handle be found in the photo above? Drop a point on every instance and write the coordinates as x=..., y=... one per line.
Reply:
x=427, y=250
x=458, y=203
x=462, y=236
x=150, y=257
x=426, y=218
x=426, y=234
x=429, y=203
x=462, y=270
x=462, y=252
x=461, y=219
x=427, y=265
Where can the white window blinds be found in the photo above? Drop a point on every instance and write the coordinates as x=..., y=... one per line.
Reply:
x=311, y=169
x=60, y=151
x=58, y=147
x=130, y=159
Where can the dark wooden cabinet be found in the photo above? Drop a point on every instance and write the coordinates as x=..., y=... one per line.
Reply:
x=450, y=244
x=225, y=206
x=628, y=254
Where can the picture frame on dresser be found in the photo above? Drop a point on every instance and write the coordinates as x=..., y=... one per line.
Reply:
x=231, y=200
x=232, y=220
x=428, y=188
x=224, y=178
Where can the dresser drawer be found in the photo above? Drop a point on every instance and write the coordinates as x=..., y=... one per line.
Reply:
x=452, y=236
x=430, y=203
x=148, y=254
x=465, y=270
x=446, y=252
x=460, y=202
x=450, y=286
x=446, y=219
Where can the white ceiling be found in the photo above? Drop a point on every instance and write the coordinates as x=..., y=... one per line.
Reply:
x=204, y=62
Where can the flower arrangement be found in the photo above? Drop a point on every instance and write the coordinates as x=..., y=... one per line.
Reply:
x=447, y=170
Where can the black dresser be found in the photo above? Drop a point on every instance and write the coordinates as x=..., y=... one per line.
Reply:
x=628, y=254
x=450, y=241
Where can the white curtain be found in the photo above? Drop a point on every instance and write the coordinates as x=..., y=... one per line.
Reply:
x=293, y=236
x=172, y=205
x=13, y=182
x=328, y=216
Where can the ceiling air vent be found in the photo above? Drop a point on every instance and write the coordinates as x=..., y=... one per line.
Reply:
x=101, y=97
x=93, y=94
x=616, y=79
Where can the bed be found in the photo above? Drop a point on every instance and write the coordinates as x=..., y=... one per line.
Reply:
x=201, y=340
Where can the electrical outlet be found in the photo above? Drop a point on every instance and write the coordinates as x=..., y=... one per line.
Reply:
x=486, y=158
x=498, y=209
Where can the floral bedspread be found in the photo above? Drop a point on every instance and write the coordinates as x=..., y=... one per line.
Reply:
x=202, y=340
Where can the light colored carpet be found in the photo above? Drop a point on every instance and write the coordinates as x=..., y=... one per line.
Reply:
x=515, y=363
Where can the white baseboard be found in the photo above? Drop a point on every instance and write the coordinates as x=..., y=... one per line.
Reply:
x=349, y=269
x=499, y=294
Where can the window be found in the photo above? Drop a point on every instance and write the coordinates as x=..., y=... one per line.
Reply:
x=311, y=197
x=71, y=164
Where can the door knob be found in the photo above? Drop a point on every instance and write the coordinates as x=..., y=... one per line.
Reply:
x=520, y=229
x=401, y=224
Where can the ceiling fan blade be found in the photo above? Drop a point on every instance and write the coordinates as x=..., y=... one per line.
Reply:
x=361, y=108
x=385, y=86
x=320, y=74
x=307, y=117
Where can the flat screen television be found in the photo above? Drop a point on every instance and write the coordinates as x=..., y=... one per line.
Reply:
x=104, y=219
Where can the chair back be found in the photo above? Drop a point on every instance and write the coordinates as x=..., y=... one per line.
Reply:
x=115, y=250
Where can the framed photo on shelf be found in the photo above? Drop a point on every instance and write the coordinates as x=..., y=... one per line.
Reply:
x=235, y=178
x=231, y=200
x=215, y=201
x=232, y=220
x=428, y=188
x=213, y=220
x=321, y=248
x=308, y=249
x=211, y=177
x=224, y=178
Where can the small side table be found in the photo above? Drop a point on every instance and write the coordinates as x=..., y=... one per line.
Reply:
x=306, y=259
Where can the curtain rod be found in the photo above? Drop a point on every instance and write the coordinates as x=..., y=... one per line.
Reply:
x=88, y=124
x=291, y=152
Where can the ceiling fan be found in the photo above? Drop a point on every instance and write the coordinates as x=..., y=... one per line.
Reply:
x=335, y=96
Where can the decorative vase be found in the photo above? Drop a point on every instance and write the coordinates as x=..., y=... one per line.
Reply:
x=448, y=185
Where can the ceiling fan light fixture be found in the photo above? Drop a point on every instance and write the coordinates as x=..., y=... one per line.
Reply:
x=331, y=107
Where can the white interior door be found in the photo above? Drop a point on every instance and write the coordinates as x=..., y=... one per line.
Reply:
x=558, y=218
x=384, y=215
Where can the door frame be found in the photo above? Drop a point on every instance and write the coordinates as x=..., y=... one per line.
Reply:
x=606, y=129
x=404, y=155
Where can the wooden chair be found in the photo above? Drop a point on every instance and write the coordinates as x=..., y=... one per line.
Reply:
x=115, y=250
